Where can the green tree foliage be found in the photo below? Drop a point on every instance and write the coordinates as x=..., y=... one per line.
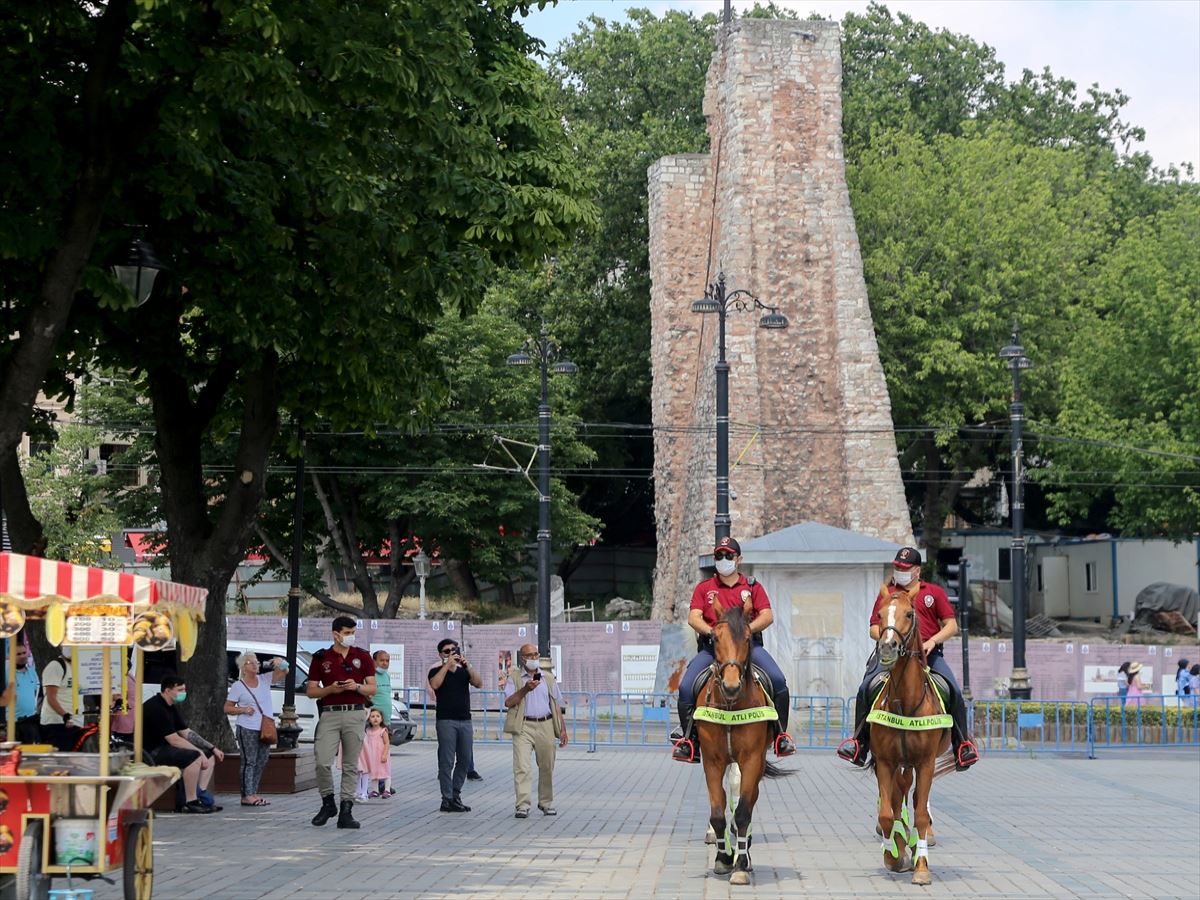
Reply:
x=487, y=519
x=323, y=181
x=631, y=92
x=959, y=236
x=1130, y=381
x=72, y=498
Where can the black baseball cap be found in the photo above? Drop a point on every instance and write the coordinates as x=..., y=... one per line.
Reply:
x=728, y=543
x=907, y=558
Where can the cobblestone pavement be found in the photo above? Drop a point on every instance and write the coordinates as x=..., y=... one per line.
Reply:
x=631, y=824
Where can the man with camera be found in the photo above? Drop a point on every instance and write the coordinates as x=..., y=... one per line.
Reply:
x=535, y=719
x=451, y=683
x=341, y=679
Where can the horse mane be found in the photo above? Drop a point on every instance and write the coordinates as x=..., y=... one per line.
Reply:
x=735, y=618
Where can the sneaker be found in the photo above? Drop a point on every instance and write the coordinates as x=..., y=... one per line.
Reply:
x=196, y=807
x=452, y=806
x=374, y=795
x=521, y=813
x=359, y=798
x=474, y=776
x=391, y=792
x=548, y=810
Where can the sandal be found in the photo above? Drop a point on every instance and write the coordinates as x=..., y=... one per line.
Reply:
x=259, y=802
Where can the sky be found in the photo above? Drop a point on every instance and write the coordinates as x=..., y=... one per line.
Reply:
x=1149, y=49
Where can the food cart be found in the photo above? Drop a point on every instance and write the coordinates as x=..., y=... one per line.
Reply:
x=79, y=813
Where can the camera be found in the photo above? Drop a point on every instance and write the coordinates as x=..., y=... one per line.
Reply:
x=537, y=676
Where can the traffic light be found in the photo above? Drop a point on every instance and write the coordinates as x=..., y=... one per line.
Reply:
x=956, y=574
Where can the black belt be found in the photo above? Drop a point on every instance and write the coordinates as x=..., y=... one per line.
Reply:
x=341, y=707
x=538, y=718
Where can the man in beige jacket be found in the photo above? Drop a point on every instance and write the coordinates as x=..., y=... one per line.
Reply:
x=535, y=720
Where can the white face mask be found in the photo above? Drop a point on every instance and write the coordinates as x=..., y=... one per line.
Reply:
x=531, y=665
x=904, y=579
x=346, y=639
x=726, y=567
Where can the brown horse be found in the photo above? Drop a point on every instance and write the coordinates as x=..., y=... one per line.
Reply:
x=734, y=749
x=901, y=753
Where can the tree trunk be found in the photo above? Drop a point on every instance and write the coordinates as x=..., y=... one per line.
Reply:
x=401, y=575
x=39, y=335
x=940, y=496
x=24, y=530
x=202, y=551
x=462, y=581
x=505, y=594
x=343, y=533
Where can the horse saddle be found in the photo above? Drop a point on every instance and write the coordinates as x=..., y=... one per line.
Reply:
x=757, y=673
x=939, y=684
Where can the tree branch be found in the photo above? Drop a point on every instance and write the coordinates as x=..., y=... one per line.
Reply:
x=320, y=596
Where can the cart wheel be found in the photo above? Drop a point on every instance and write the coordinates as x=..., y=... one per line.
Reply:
x=139, y=862
x=32, y=882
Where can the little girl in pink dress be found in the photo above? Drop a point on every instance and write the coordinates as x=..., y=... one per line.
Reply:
x=373, y=760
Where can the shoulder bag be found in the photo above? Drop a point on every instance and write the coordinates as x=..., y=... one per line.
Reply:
x=267, y=733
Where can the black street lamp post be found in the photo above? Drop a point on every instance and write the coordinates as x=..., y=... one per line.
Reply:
x=550, y=359
x=289, y=727
x=715, y=300
x=1013, y=353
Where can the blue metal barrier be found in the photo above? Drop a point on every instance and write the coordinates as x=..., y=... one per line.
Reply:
x=613, y=719
x=1022, y=726
x=1157, y=720
x=820, y=722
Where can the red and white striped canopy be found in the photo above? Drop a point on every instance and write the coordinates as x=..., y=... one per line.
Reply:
x=29, y=578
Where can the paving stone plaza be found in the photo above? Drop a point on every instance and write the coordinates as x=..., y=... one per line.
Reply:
x=631, y=824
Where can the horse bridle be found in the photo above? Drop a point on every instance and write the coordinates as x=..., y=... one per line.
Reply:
x=719, y=668
x=905, y=640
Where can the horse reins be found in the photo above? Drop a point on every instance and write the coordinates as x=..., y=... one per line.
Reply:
x=905, y=650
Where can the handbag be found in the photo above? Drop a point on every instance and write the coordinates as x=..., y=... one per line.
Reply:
x=267, y=733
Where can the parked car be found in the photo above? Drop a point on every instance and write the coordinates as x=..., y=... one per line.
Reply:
x=164, y=661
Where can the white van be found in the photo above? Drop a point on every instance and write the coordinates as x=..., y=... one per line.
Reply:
x=163, y=661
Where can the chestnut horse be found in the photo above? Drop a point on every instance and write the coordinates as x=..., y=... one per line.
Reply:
x=729, y=747
x=911, y=745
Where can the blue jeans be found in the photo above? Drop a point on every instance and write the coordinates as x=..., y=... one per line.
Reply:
x=455, y=741
x=702, y=660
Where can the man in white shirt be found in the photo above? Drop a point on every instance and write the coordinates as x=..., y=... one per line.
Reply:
x=58, y=725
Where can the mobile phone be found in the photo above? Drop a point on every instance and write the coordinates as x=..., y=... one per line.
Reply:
x=537, y=676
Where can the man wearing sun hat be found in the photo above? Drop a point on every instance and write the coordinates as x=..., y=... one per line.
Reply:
x=935, y=618
x=726, y=589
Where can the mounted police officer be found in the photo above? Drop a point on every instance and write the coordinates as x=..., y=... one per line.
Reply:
x=935, y=619
x=726, y=589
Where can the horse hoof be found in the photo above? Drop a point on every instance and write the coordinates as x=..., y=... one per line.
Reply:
x=922, y=876
x=710, y=836
x=879, y=830
x=740, y=877
x=932, y=841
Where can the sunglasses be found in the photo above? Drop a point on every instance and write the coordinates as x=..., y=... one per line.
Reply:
x=448, y=651
x=724, y=554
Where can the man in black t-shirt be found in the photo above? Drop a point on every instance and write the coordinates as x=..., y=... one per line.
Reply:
x=451, y=682
x=168, y=740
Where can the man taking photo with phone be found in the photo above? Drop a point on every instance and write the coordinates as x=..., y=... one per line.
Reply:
x=341, y=679
x=451, y=683
x=535, y=719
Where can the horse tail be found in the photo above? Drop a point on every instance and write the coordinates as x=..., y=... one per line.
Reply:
x=770, y=770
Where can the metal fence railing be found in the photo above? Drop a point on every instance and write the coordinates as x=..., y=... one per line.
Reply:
x=612, y=719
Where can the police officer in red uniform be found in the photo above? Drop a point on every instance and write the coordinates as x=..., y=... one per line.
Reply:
x=935, y=618
x=726, y=589
x=341, y=680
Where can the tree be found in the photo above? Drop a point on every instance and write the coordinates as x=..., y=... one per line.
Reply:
x=72, y=499
x=1129, y=426
x=959, y=236
x=324, y=180
x=631, y=93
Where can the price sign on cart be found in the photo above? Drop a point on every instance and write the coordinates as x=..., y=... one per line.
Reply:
x=99, y=623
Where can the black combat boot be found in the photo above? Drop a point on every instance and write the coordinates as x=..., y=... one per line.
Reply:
x=328, y=810
x=784, y=745
x=854, y=749
x=965, y=752
x=685, y=749
x=345, y=819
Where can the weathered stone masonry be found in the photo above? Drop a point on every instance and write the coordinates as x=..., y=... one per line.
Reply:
x=810, y=417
